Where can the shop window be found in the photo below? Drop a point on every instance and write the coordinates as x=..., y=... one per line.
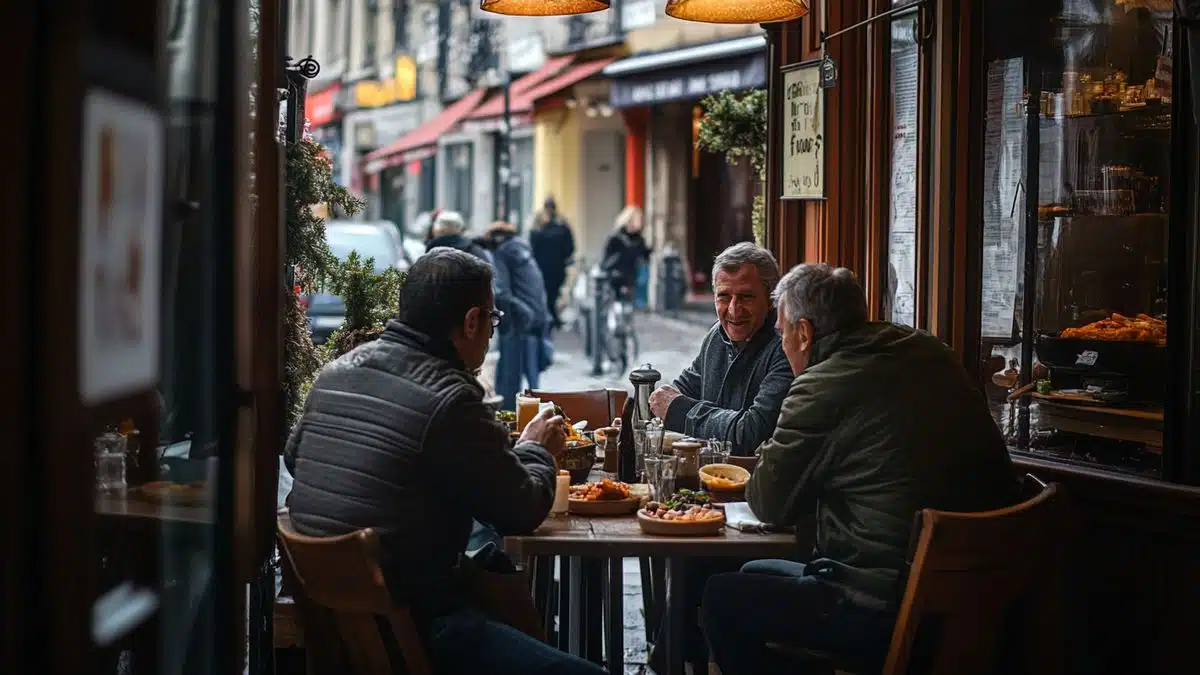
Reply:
x=520, y=189
x=900, y=295
x=460, y=162
x=427, y=194
x=1077, y=173
x=370, y=34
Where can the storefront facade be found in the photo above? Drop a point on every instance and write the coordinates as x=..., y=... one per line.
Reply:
x=1005, y=177
x=696, y=201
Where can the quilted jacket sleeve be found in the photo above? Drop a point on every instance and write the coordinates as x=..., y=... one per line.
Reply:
x=510, y=489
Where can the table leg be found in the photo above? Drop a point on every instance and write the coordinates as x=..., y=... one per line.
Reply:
x=675, y=613
x=614, y=643
x=564, y=603
x=592, y=611
x=541, y=575
x=652, y=614
x=574, y=641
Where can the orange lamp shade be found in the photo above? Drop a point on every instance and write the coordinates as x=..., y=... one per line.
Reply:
x=543, y=7
x=737, y=11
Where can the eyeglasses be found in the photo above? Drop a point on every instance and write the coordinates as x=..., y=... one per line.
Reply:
x=497, y=315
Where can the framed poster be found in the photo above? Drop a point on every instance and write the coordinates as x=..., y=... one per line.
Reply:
x=120, y=252
x=803, y=131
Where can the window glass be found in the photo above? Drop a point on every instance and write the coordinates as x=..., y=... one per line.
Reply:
x=459, y=165
x=1077, y=157
x=901, y=293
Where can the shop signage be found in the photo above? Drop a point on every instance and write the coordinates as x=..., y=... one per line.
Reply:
x=400, y=87
x=320, y=107
x=803, y=132
x=120, y=247
x=689, y=84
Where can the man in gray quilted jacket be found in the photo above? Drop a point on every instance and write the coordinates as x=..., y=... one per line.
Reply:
x=395, y=437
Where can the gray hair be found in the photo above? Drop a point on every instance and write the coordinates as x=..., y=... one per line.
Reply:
x=735, y=257
x=448, y=222
x=830, y=298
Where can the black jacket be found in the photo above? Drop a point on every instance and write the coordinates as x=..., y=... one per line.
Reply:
x=553, y=245
x=623, y=252
x=884, y=422
x=395, y=437
x=733, y=394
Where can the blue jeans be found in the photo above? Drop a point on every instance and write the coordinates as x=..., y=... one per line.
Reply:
x=468, y=643
x=518, y=359
x=772, y=601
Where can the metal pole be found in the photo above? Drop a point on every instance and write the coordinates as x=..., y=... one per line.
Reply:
x=506, y=149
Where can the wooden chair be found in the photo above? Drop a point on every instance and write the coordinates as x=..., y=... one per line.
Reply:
x=342, y=575
x=598, y=406
x=988, y=588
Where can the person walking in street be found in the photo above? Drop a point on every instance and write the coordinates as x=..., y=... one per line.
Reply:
x=856, y=446
x=449, y=230
x=395, y=437
x=553, y=246
x=525, y=349
x=624, y=250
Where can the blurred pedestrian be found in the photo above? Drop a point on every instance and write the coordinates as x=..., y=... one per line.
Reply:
x=449, y=230
x=525, y=349
x=624, y=251
x=553, y=246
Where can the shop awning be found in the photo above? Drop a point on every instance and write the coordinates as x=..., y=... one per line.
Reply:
x=418, y=143
x=689, y=73
x=494, y=107
x=573, y=75
x=521, y=103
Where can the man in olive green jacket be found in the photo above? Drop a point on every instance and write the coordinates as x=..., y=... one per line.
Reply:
x=880, y=422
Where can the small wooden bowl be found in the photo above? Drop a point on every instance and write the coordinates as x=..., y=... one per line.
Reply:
x=680, y=528
x=724, y=496
x=603, y=507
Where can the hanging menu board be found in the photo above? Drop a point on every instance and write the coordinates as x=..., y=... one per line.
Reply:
x=1004, y=199
x=803, y=130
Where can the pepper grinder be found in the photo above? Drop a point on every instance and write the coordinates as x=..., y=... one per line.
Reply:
x=636, y=414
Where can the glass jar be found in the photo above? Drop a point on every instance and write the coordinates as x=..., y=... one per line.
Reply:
x=687, y=476
x=110, y=462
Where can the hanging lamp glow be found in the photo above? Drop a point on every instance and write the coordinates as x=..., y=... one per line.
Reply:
x=543, y=7
x=737, y=11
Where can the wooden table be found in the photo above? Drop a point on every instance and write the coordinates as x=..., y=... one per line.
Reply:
x=125, y=506
x=613, y=539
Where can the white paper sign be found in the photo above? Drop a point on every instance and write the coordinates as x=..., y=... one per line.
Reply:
x=120, y=250
x=803, y=129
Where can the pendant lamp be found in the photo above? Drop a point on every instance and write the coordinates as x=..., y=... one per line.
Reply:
x=543, y=7
x=737, y=11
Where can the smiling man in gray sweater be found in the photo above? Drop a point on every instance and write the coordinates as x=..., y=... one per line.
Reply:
x=734, y=389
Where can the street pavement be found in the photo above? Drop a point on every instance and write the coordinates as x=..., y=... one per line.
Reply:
x=670, y=345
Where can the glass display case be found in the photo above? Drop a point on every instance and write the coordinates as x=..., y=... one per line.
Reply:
x=1077, y=175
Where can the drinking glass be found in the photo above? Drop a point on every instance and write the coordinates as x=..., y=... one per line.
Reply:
x=715, y=452
x=527, y=409
x=660, y=474
x=110, y=462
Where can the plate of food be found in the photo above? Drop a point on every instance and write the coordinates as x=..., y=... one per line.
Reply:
x=168, y=492
x=602, y=498
x=676, y=518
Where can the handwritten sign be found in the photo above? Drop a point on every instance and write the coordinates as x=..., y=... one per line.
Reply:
x=803, y=130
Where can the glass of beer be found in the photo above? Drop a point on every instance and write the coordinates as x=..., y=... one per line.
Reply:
x=527, y=409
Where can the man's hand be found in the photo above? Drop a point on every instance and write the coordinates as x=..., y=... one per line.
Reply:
x=660, y=400
x=547, y=430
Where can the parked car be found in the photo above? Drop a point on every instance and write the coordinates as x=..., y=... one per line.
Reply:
x=379, y=240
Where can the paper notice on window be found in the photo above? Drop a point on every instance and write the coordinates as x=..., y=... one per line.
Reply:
x=803, y=128
x=902, y=237
x=1003, y=198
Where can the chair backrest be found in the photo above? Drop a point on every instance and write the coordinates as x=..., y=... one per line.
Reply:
x=989, y=587
x=598, y=406
x=342, y=575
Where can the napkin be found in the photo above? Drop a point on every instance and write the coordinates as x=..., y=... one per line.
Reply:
x=739, y=516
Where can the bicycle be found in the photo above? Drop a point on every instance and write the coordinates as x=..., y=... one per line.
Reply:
x=618, y=338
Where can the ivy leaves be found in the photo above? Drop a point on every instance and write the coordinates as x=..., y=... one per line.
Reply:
x=310, y=184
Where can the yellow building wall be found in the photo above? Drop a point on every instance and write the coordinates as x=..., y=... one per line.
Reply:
x=556, y=146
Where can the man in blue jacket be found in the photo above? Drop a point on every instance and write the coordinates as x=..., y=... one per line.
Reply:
x=521, y=295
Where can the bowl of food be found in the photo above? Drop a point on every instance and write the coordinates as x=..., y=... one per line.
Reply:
x=726, y=482
x=680, y=520
x=602, y=498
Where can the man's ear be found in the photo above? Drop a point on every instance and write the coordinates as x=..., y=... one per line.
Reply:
x=806, y=334
x=471, y=322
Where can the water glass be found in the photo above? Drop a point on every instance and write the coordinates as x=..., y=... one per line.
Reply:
x=715, y=452
x=110, y=462
x=660, y=474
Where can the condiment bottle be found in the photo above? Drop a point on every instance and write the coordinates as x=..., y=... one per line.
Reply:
x=687, y=471
x=610, y=439
x=562, y=490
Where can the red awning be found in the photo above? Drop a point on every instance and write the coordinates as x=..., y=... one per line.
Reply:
x=414, y=142
x=522, y=85
x=573, y=75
